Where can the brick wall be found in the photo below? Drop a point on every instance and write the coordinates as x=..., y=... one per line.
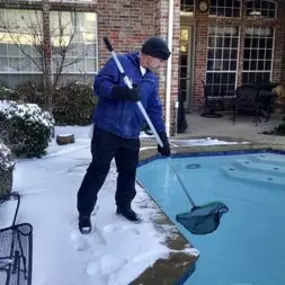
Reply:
x=128, y=23
x=202, y=22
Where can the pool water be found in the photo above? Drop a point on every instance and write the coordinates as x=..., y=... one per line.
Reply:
x=248, y=248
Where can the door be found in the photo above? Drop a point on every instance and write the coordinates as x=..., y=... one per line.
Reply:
x=186, y=55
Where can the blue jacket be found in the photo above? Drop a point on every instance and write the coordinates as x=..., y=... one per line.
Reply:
x=124, y=118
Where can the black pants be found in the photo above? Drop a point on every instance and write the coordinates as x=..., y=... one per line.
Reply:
x=104, y=147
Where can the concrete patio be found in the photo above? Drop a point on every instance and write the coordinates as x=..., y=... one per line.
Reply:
x=243, y=130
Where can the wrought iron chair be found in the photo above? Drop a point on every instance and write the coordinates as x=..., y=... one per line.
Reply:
x=211, y=104
x=247, y=101
x=15, y=249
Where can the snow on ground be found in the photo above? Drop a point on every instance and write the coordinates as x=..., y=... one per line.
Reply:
x=115, y=253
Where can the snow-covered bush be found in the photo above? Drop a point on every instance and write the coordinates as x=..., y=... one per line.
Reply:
x=26, y=128
x=7, y=164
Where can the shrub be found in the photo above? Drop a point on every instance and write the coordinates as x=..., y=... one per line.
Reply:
x=7, y=164
x=6, y=93
x=26, y=129
x=29, y=92
x=73, y=104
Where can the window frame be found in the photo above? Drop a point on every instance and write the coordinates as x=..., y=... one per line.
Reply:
x=225, y=7
x=229, y=71
x=271, y=59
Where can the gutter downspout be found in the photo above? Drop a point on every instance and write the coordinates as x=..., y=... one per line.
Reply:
x=169, y=68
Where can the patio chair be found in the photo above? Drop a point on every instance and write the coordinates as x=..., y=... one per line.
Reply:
x=211, y=103
x=15, y=249
x=247, y=101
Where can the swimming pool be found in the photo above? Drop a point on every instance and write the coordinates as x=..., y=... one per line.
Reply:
x=248, y=247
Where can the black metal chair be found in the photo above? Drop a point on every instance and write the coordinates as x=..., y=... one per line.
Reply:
x=211, y=103
x=15, y=249
x=247, y=101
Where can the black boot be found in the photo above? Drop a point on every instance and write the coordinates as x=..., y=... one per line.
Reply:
x=84, y=224
x=129, y=214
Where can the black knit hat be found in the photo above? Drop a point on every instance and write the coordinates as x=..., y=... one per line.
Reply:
x=156, y=47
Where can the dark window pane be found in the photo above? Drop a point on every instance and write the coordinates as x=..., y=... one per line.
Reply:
x=260, y=65
x=246, y=53
x=226, y=65
x=220, y=12
x=264, y=5
x=254, y=53
x=268, y=54
x=251, y=77
x=272, y=6
x=226, y=54
x=225, y=77
x=228, y=12
x=183, y=59
x=183, y=72
x=249, y=4
x=209, y=77
x=271, y=13
x=219, y=42
x=236, y=12
x=217, y=77
x=234, y=42
x=266, y=77
x=211, y=53
x=232, y=78
x=247, y=43
x=269, y=43
x=227, y=42
x=233, y=65
x=221, y=3
x=210, y=65
x=267, y=65
x=229, y=3
x=261, y=53
x=262, y=43
x=218, y=53
x=234, y=54
x=254, y=43
x=253, y=65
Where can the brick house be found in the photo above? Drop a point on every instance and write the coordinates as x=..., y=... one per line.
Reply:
x=223, y=42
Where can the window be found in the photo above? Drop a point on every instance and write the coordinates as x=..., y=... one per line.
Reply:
x=223, y=42
x=225, y=8
x=186, y=7
x=75, y=33
x=258, y=54
x=20, y=49
x=261, y=8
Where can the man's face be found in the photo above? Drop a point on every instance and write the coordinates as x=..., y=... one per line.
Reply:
x=155, y=63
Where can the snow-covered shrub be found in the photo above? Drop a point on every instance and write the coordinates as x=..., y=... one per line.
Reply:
x=7, y=164
x=73, y=104
x=26, y=128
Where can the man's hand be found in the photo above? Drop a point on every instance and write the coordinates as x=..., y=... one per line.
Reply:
x=124, y=93
x=165, y=150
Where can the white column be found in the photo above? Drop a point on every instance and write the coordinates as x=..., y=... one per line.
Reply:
x=169, y=67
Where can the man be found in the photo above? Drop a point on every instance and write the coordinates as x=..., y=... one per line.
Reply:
x=117, y=125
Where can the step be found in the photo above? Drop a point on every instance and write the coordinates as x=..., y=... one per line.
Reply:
x=259, y=179
x=269, y=158
x=261, y=168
